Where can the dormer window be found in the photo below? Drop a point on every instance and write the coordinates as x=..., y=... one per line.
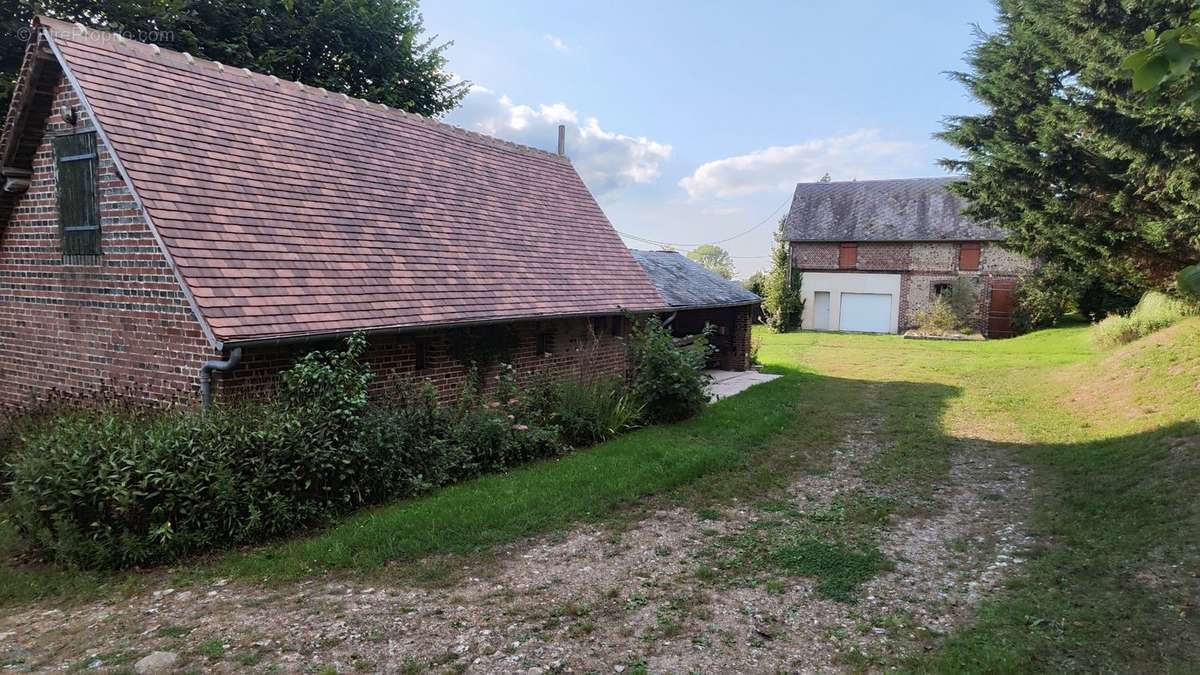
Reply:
x=78, y=204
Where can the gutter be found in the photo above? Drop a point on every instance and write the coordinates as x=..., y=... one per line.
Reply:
x=220, y=366
x=304, y=338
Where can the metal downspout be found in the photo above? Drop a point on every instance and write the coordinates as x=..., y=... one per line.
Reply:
x=206, y=371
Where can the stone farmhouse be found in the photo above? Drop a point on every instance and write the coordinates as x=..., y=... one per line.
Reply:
x=873, y=253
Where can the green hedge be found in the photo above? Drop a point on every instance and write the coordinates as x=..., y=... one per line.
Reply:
x=117, y=486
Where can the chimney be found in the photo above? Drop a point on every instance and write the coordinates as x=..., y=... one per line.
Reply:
x=562, y=140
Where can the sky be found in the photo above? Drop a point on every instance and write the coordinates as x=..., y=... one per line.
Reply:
x=692, y=122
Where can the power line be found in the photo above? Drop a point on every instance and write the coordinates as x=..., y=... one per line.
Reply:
x=719, y=241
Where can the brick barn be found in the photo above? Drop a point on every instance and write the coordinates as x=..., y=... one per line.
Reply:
x=874, y=252
x=170, y=222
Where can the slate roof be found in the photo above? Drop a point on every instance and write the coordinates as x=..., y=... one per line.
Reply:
x=684, y=283
x=288, y=210
x=907, y=209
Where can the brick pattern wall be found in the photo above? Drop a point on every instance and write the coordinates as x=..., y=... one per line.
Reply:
x=579, y=347
x=738, y=355
x=815, y=256
x=118, y=320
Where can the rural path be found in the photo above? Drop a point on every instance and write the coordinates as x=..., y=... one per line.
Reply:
x=650, y=598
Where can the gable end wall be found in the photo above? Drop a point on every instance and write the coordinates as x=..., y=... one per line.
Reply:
x=119, y=322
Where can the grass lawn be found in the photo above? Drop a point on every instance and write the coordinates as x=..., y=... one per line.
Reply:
x=1112, y=440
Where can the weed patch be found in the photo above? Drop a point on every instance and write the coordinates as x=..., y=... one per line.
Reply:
x=839, y=573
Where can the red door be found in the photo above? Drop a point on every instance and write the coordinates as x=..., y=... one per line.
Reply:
x=1000, y=306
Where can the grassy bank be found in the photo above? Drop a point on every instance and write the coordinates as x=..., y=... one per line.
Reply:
x=1114, y=444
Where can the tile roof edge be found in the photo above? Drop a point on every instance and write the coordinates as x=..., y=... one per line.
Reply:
x=290, y=338
x=186, y=61
x=197, y=314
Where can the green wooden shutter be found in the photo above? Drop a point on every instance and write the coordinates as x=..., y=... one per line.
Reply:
x=78, y=213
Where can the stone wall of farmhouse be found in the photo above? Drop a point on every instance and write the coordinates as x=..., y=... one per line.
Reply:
x=118, y=320
x=922, y=266
x=929, y=257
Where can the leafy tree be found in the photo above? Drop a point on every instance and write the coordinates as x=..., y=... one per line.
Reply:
x=714, y=258
x=1171, y=62
x=1044, y=295
x=371, y=49
x=782, y=302
x=1189, y=282
x=1080, y=171
x=756, y=284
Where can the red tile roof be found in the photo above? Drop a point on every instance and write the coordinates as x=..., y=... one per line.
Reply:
x=289, y=210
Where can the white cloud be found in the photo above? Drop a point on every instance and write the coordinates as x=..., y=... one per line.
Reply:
x=606, y=160
x=557, y=43
x=861, y=155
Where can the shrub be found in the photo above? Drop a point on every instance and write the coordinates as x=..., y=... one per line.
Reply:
x=1045, y=295
x=783, y=305
x=963, y=299
x=937, y=318
x=1153, y=312
x=590, y=411
x=1099, y=299
x=755, y=347
x=668, y=380
x=116, y=486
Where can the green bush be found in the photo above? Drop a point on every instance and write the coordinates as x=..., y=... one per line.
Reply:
x=937, y=318
x=1154, y=312
x=1044, y=295
x=589, y=411
x=668, y=380
x=119, y=486
x=115, y=485
x=963, y=299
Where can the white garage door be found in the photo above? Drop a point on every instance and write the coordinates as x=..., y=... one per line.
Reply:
x=866, y=312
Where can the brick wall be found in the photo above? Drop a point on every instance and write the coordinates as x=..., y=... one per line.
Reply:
x=118, y=320
x=815, y=256
x=738, y=356
x=578, y=347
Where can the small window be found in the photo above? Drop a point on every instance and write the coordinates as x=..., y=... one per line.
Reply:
x=941, y=289
x=78, y=214
x=848, y=256
x=968, y=256
x=617, y=326
x=545, y=343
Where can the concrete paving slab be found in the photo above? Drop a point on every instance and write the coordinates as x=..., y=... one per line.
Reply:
x=726, y=383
